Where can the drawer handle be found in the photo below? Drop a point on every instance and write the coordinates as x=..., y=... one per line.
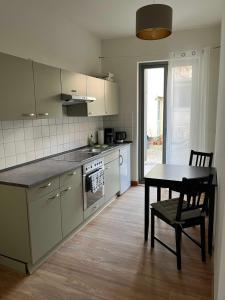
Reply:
x=46, y=186
x=73, y=91
x=90, y=113
x=54, y=197
x=67, y=189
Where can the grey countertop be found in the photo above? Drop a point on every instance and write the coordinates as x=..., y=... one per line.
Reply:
x=31, y=174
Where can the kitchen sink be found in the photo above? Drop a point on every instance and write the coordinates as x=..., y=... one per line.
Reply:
x=95, y=149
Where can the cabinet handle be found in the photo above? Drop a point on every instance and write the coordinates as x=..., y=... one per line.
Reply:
x=43, y=114
x=73, y=173
x=67, y=189
x=74, y=91
x=29, y=115
x=107, y=168
x=121, y=162
x=46, y=186
x=90, y=113
x=54, y=197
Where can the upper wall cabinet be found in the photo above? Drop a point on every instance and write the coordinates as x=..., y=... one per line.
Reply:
x=16, y=88
x=111, y=98
x=73, y=83
x=47, y=91
x=95, y=88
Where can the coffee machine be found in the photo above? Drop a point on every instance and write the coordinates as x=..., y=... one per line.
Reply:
x=109, y=136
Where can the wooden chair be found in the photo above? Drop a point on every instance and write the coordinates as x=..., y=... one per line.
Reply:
x=198, y=159
x=183, y=212
x=202, y=159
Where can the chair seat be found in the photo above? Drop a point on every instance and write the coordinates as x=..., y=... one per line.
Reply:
x=168, y=209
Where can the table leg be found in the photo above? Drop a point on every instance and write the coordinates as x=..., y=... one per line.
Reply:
x=211, y=220
x=158, y=193
x=146, y=210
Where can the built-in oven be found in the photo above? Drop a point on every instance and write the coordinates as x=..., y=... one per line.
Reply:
x=93, y=186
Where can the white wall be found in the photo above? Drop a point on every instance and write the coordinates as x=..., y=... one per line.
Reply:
x=31, y=30
x=219, y=280
x=121, y=58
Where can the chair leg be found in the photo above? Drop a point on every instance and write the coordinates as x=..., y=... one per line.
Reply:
x=152, y=228
x=170, y=194
x=178, y=233
x=202, y=225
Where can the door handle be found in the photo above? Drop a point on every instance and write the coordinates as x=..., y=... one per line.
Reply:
x=31, y=115
x=67, y=189
x=121, y=162
x=54, y=197
x=43, y=114
x=46, y=186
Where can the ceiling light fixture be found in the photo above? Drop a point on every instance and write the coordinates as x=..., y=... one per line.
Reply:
x=154, y=22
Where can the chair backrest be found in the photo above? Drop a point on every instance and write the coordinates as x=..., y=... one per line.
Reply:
x=194, y=194
x=200, y=159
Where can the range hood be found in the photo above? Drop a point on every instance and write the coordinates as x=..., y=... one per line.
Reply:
x=69, y=99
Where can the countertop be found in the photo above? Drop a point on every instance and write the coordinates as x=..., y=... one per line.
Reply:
x=36, y=172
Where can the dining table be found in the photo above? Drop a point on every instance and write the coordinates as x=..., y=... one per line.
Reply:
x=168, y=176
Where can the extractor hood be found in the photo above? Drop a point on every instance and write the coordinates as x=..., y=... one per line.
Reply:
x=69, y=99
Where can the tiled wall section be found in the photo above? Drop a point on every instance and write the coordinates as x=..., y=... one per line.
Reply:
x=26, y=140
x=122, y=122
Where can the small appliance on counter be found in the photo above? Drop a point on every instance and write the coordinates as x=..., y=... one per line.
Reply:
x=109, y=136
x=121, y=136
x=101, y=136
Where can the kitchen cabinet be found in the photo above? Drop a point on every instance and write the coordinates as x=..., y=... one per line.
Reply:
x=95, y=88
x=45, y=224
x=47, y=91
x=73, y=83
x=111, y=98
x=71, y=201
x=112, y=184
x=17, y=88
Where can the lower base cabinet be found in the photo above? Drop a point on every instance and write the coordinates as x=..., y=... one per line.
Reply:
x=45, y=224
x=71, y=202
x=112, y=182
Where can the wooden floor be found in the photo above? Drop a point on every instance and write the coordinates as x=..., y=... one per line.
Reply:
x=108, y=260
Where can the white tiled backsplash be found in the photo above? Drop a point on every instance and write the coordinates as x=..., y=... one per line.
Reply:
x=26, y=140
x=121, y=122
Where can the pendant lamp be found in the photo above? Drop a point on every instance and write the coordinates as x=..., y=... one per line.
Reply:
x=154, y=22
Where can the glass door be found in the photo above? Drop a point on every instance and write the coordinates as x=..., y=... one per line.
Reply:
x=152, y=116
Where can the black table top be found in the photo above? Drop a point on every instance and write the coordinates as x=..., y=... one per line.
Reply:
x=166, y=172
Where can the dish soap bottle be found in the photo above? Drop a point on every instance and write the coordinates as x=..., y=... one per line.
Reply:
x=91, y=141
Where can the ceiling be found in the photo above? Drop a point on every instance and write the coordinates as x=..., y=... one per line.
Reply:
x=116, y=18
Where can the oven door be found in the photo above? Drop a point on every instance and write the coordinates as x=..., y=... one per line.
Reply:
x=90, y=197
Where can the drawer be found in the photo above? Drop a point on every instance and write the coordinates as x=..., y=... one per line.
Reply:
x=43, y=189
x=69, y=178
x=112, y=156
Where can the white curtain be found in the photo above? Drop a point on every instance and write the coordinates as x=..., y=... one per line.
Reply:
x=187, y=104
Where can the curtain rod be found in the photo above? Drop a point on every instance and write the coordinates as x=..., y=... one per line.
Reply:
x=104, y=57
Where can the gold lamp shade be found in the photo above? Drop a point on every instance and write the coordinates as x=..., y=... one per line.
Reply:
x=154, y=22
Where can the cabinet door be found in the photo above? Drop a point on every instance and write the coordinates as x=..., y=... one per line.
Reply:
x=71, y=201
x=73, y=83
x=47, y=91
x=45, y=224
x=111, y=98
x=16, y=88
x=112, y=184
x=95, y=88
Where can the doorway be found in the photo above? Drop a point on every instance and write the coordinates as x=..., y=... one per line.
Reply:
x=152, y=115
